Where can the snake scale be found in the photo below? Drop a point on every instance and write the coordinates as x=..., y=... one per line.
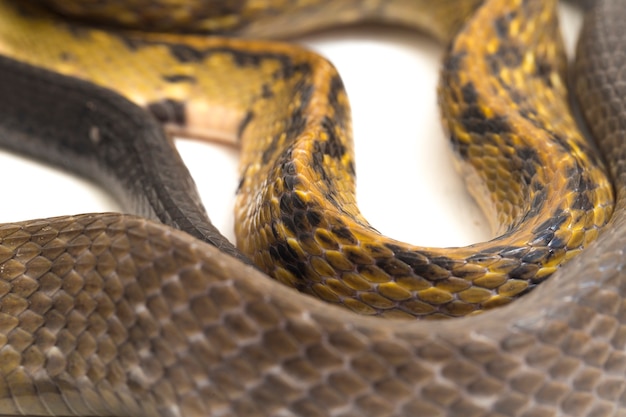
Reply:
x=111, y=314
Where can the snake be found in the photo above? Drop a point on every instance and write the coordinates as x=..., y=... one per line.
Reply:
x=302, y=225
x=114, y=314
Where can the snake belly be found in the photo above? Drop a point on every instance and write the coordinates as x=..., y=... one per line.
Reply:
x=116, y=315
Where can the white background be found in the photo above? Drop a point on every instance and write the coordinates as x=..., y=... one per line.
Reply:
x=407, y=186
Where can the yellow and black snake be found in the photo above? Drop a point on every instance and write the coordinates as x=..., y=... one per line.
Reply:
x=109, y=314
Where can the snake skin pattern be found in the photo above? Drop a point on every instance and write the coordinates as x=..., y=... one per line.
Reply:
x=296, y=213
x=505, y=109
x=118, y=315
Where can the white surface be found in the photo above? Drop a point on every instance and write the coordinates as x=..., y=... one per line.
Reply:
x=407, y=187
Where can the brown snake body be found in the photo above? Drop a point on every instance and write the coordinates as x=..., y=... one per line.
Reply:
x=117, y=315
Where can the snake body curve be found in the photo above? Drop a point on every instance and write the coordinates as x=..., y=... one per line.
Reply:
x=82, y=336
x=296, y=210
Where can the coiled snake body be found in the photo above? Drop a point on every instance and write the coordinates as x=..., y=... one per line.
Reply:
x=111, y=314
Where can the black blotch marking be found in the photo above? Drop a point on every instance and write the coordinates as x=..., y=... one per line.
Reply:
x=186, y=53
x=168, y=111
x=537, y=203
x=452, y=63
x=271, y=149
x=288, y=170
x=331, y=196
x=514, y=252
x=507, y=55
x=275, y=232
x=561, y=141
x=286, y=253
x=336, y=88
x=375, y=250
x=133, y=44
x=483, y=257
x=332, y=146
x=557, y=243
x=327, y=240
x=344, y=233
x=289, y=223
x=299, y=219
x=77, y=31
x=524, y=272
x=542, y=238
x=586, y=184
x=290, y=182
x=297, y=202
x=531, y=115
x=285, y=204
x=66, y=56
x=408, y=257
x=503, y=23
x=318, y=166
x=287, y=166
x=447, y=263
x=179, y=78
x=507, y=233
x=495, y=250
x=514, y=93
x=314, y=217
x=288, y=257
x=288, y=69
x=429, y=273
x=469, y=93
x=574, y=175
x=266, y=91
x=461, y=147
x=494, y=66
x=543, y=70
x=392, y=266
x=510, y=55
x=537, y=255
x=474, y=120
x=582, y=202
x=306, y=91
x=295, y=123
x=467, y=274
x=294, y=213
x=585, y=147
x=537, y=186
x=553, y=223
x=356, y=256
x=351, y=168
x=530, y=161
